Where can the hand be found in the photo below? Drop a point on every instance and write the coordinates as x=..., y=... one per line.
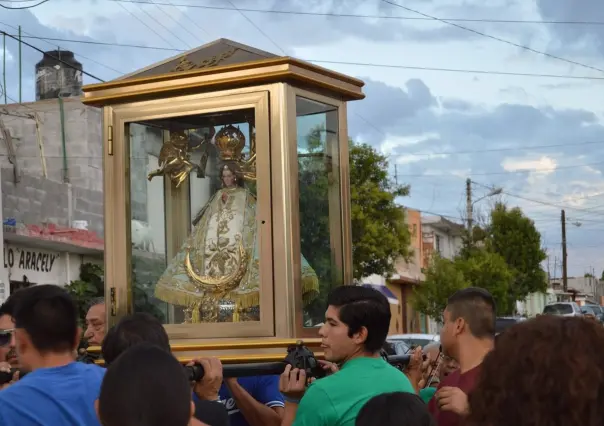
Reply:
x=417, y=367
x=454, y=400
x=292, y=383
x=329, y=367
x=208, y=387
x=5, y=368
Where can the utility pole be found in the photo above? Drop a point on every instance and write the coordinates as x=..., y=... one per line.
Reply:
x=469, y=203
x=395, y=174
x=564, y=270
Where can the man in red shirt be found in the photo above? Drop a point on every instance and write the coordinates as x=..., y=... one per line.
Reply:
x=467, y=336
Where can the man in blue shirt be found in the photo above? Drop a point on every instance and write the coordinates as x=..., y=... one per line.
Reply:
x=253, y=401
x=58, y=391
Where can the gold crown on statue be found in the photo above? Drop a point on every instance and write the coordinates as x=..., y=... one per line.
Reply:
x=230, y=142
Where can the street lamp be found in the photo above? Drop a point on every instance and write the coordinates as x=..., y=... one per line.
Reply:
x=470, y=203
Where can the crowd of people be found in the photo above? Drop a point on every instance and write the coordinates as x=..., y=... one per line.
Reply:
x=541, y=372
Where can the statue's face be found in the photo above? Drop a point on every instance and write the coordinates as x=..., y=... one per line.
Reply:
x=228, y=178
x=180, y=140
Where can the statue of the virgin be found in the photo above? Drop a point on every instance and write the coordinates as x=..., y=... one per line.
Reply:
x=219, y=262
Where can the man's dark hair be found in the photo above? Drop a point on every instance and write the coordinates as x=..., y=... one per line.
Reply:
x=49, y=316
x=394, y=409
x=146, y=386
x=8, y=307
x=363, y=307
x=477, y=307
x=144, y=329
x=133, y=330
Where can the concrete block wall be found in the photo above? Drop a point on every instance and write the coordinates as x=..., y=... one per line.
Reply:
x=35, y=199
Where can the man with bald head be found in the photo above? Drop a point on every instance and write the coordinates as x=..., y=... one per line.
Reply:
x=445, y=365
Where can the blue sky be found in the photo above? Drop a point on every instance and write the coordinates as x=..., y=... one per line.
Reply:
x=540, y=138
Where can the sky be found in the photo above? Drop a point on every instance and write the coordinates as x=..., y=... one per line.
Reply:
x=508, y=95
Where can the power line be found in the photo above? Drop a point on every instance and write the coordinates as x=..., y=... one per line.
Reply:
x=177, y=23
x=542, y=202
x=53, y=57
x=387, y=17
x=455, y=70
x=23, y=7
x=145, y=24
x=257, y=27
x=529, y=147
x=318, y=61
x=28, y=35
x=511, y=43
x=160, y=23
x=507, y=172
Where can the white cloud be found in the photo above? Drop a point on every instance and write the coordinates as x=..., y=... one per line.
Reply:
x=544, y=164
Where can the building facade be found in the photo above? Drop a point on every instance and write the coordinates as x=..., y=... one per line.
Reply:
x=52, y=191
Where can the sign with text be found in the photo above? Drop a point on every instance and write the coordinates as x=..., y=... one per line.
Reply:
x=34, y=263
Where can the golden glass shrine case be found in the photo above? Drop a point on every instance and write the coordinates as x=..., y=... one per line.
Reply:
x=227, y=199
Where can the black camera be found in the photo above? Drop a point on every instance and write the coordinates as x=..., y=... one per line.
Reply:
x=299, y=356
x=6, y=377
x=194, y=372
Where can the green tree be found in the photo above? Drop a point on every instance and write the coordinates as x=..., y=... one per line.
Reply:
x=87, y=288
x=444, y=277
x=380, y=234
x=515, y=238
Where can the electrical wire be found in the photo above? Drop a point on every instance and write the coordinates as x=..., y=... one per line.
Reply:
x=145, y=24
x=478, y=151
x=390, y=17
x=157, y=21
x=507, y=172
x=25, y=34
x=53, y=57
x=320, y=61
x=24, y=7
x=257, y=27
x=511, y=43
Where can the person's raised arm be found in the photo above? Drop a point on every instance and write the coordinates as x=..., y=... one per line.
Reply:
x=265, y=407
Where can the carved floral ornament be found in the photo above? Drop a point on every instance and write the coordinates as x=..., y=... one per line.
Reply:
x=186, y=65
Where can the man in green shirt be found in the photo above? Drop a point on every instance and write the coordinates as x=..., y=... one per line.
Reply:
x=356, y=325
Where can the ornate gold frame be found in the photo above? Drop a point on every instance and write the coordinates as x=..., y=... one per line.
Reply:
x=117, y=206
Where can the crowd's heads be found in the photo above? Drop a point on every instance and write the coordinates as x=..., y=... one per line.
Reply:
x=470, y=313
x=145, y=386
x=356, y=321
x=8, y=351
x=395, y=409
x=96, y=322
x=46, y=323
x=131, y=331
x=543, y=372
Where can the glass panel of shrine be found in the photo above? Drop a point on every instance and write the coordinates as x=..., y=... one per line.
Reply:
x=200, y=221
x=320, y=208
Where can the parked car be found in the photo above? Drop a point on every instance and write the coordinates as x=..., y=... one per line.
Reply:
x=565, y=309
x=503, y=323
x=399, y=347
x=414, y=340
x=595, y=310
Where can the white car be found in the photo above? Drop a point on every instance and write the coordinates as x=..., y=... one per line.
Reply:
x=413, y=340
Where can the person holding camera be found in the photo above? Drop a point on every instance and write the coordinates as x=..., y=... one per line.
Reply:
x=356, y=325
x=58, y=390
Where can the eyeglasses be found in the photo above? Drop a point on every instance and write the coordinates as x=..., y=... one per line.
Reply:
x=5, y=336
